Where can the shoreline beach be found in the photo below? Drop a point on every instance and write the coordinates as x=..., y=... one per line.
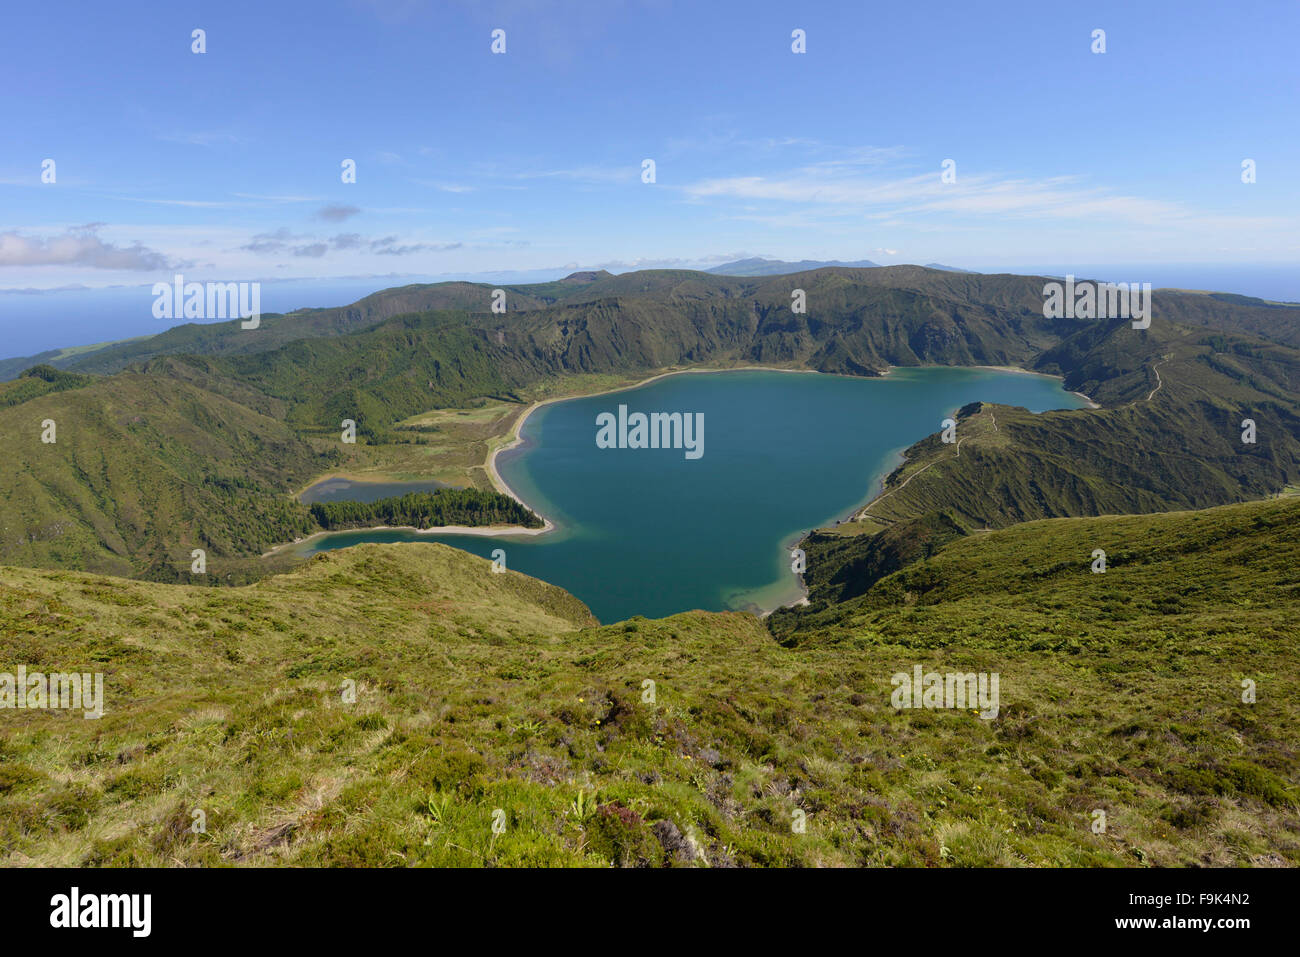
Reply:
x=484, y=530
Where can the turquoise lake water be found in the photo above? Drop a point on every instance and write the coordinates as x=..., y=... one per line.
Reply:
x=651, y=532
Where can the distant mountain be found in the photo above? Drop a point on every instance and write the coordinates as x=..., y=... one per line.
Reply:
x=775, y=267
x=229, y=338
x=581, y=278
x=666, y=288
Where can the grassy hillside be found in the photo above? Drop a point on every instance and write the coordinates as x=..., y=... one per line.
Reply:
x=859, y=322
x=37, y=381
x=275, y=329
x=143, y=470
x=480, y=692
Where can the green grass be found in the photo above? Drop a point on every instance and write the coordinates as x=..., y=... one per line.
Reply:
x=480, y=692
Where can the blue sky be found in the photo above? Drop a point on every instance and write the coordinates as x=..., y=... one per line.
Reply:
x=226, y=165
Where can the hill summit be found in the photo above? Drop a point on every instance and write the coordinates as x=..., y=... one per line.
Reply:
x=590, y=275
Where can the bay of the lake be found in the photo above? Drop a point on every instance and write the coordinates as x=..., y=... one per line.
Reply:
x=651, y=532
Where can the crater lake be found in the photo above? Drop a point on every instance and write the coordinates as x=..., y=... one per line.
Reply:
x=650, y=531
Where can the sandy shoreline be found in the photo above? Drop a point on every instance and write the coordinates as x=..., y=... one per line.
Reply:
x=487, y=530
x=1045, y=375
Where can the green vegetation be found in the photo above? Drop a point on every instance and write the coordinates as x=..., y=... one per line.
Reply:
x=1120, y=692
x=40, y=380
x=144, y=469
x=444, y=506
x=203, y=450
x=274, y=330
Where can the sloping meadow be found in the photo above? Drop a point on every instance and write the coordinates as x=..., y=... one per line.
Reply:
x=391, y=706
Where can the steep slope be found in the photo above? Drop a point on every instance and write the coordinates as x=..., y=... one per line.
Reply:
x=483, y=697
x=403, y=366
x=1015, y=297
x=144, y=469
x=637, y=322
x=1268, y=320
x=1182, y=576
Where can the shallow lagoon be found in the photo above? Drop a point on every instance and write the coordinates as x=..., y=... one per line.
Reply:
x=651, y=532
x=337, y=489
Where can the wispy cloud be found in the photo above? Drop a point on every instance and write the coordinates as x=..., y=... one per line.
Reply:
x=241, y=201
x=192, y=203
x=389, y=246
x=201, y=138
x=335, y=213
x=278, y=198
x=443, y=185
x=840, y=188
x=78, y=246
x=282, y=241
x=604, y=175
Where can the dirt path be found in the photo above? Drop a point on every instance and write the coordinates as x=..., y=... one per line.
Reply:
x=956, y=454
x=1159, y=382
x=891, y=492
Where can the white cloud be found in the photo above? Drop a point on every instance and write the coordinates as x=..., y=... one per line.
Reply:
x=78, y=246
x=825, y=190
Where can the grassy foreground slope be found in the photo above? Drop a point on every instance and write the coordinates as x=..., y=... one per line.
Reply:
x=478, y=692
